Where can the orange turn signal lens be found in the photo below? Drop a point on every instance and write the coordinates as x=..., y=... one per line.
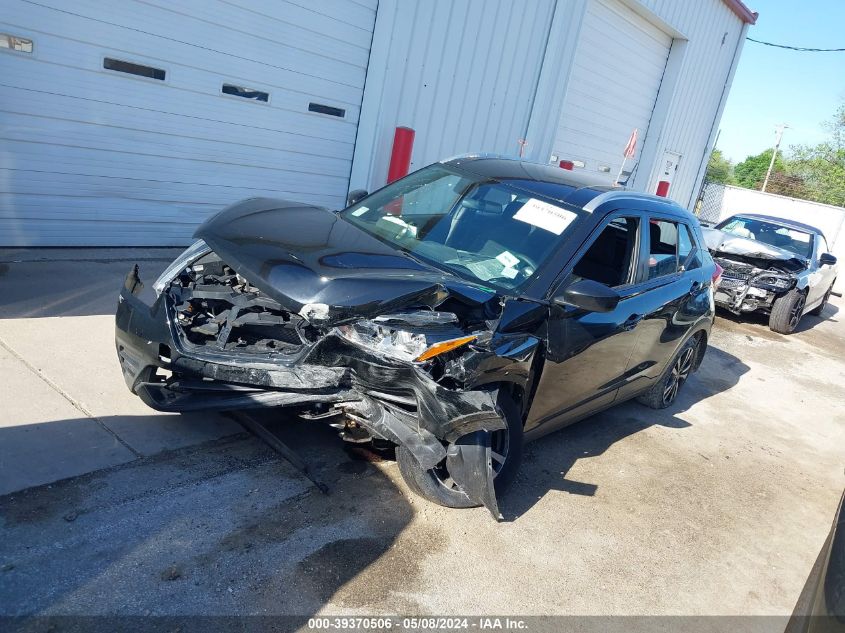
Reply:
x=443, y=347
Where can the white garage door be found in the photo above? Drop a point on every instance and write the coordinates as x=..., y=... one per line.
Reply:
x=616, y=75
x=130, y=122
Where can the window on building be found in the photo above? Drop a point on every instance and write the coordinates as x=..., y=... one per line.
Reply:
x=609, y=260
x=325, y=109
x=246, y=93
x=15, y=43
x=131, y=68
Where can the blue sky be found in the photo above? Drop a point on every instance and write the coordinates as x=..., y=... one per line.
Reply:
x=774, y=86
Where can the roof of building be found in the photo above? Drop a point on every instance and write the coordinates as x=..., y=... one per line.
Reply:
x=743, y=12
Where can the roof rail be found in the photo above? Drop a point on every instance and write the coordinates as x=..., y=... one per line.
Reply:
x=593, y=204
x=475, y=155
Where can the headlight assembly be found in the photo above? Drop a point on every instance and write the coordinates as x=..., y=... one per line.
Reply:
x=398, y=343
x=775, y=281
x=191, y=254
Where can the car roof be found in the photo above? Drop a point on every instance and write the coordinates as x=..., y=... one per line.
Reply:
x=559, y=184
x=790, y=224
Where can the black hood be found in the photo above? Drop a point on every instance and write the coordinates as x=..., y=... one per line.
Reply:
x=319, y=266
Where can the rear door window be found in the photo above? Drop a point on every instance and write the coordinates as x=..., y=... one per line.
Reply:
x=663, y=248
x=689, y=256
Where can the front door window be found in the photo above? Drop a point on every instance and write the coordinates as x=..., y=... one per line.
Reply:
x=610, y=258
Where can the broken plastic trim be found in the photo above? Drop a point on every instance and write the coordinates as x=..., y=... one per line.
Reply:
x=470, y=465
x=188, y=256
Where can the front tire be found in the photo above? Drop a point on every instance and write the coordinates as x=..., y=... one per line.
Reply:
x=436, y=485
x=787, y=311
x=665, y=390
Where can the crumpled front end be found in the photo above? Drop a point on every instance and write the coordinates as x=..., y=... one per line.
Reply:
x=748, y=288
x=211, y=340
x=754, y=273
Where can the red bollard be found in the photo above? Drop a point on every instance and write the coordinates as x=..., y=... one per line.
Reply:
x=663, y=188
x=400, y=157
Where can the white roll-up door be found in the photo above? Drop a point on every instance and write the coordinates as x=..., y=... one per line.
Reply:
x=615, y=79
x=128, y=123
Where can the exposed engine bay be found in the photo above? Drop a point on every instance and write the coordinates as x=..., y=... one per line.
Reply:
x=218, y=309
x=746, y=287
x=754, y=274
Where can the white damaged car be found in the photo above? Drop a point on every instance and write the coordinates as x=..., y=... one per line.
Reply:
x=775, y=266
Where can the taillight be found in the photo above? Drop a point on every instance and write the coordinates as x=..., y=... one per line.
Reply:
x=717, y=275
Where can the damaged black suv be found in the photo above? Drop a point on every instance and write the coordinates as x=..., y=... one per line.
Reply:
x=468, y=307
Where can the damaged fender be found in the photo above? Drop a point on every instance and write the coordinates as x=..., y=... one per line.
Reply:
x=468, y=456
x=471, y=466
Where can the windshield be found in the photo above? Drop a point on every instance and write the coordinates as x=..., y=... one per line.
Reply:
x=792, y=240
x=477, y=228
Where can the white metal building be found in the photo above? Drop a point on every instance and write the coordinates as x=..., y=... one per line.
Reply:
x=129, y=123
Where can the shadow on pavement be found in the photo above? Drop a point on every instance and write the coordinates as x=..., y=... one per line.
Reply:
x=222, y=528
x=757, y=319
x=547, y=461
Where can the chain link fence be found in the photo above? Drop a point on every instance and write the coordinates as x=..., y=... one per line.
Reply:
x=709, y=207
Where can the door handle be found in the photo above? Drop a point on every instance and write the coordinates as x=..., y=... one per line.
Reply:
x=631, y=322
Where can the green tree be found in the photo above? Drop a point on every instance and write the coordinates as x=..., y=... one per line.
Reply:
x=720, y=169
x=787, y=183
x=822, y=166
x=751, y=172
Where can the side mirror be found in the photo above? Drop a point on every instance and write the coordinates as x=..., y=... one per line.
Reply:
x=356, y=195
x=827, y=259
x=589, y=295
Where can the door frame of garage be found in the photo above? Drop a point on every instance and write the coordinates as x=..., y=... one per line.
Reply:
x=646, y=179
x=375, y=84
x=551, y=90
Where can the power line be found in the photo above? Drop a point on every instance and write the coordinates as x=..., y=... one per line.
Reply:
x=798, y=48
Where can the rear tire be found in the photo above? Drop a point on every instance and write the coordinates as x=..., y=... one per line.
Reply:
x=817, y=311
x=665, y=390
x=434, y=484
x=787, y=312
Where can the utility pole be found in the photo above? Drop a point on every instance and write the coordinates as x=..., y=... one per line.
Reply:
x=778, y=136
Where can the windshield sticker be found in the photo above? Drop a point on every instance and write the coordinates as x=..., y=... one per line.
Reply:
x=508, y=259
x=487, y=269
x=360, y=211
x=545, y=216
x=395, y=223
